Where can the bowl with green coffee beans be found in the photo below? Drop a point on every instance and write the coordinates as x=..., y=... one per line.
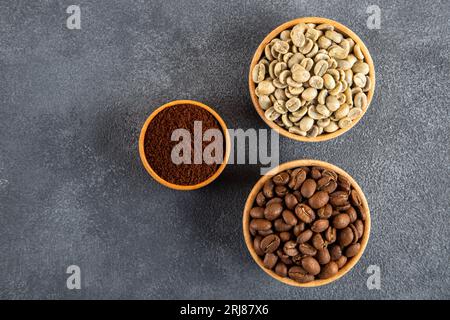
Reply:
x=311, y=79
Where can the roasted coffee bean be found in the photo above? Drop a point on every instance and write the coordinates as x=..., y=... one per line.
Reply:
x=281, y=191
x=308, y=188
x=297, y=259
x=299, y=228
x=298, y=195
x=260, y=199
x=335, y=213
x=257, y=245
x=311, y=265
x=257, y=212
x=270, y=243
x=345, y=237
x=318, y=242
x=327, y=184
x=341, y=261
x=274, y=200
x=343, y=208
x=329, y=270
x=305, y=213
x=360, y=227
x=355, y=199
x=320, y=225
x=331, y=235
x=338, y=198
x=290, y=248
x=265, y=232
x=355, y=233
x=352, y=214
x=284, y=257
x=280, y=226
x=362, y=214
x=323, y=256
x=325, y=212
x=253, y=232
x=352, y=250
x=304, y=236
x=330, y=173
x=285, y=236
x=291, y=201
x=270, y=260
x=298, y=176
x=289, y=217
x=299, y=274
x=281, y=178
x=273, y=211
x=281, y=269
x=268, y=189
x=335, y=252
x=307, y=249
x=343, y=184
x=318, y=200
x=316, y=173
x=260, y=224
x=341, y=221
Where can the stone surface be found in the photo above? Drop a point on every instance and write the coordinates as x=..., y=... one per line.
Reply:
x=73, y=191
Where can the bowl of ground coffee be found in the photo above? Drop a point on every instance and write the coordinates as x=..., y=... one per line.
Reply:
x=306, y=223
x=184, y=145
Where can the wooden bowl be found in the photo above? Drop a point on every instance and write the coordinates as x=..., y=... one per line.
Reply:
x=251, y=199
x=166, y=183
x=260, y=51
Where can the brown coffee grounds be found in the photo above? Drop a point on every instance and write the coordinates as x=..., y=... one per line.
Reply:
x=158, y=145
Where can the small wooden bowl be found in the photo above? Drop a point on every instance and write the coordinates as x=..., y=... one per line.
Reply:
x=260, y=51
x=168, y=184
x=251, y=199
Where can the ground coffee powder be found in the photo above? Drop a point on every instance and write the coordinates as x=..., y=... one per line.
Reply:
x=158, y=145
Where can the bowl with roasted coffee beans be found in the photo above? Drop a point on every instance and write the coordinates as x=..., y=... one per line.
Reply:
x=184, y=145
x=306, y=223
x=311, y=79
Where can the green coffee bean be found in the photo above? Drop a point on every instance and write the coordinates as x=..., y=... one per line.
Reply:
x=360, y=101
x=323, y=110
x=306, y=123
x=360, y=67
x=355, y=113
x=313, y=132
x=259, y=73
x=328, y=81
x=271, y=114
x=280, y=107
x=334, y=36
x=316, y=82
x=323, y=122
x=264, y=102
x=293, y=104
x=286, y=121
x=344, y=123
x=332, y=127
x=357, y=52
x=359, y=80
x=297, y=130
x=332, y=103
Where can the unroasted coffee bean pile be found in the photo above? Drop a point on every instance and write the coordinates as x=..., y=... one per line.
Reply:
x=306, y=223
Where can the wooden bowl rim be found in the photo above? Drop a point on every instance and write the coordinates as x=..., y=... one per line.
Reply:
x=274, y=33
x=249, y=204
x=166, y=183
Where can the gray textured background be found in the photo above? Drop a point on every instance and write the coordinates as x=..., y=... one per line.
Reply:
x=73, y=191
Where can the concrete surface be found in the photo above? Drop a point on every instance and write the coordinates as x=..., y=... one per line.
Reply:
x=73, y=191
